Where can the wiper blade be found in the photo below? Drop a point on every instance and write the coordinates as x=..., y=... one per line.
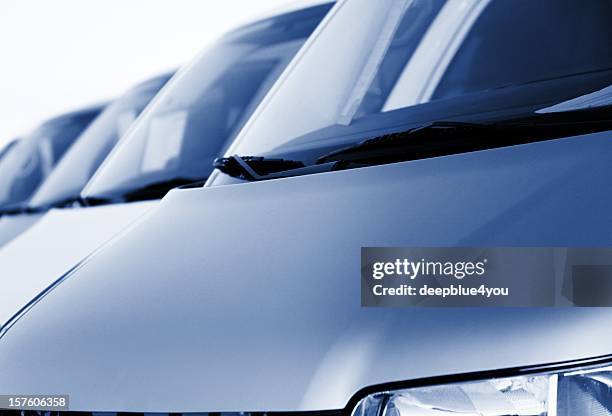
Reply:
x=438, y=138
x=254, y=168
x=15, y=211
x=438, y=135
x=19, y=210
x=68, y=202
x=155, y=190
x=441, y=138
x=95, y=201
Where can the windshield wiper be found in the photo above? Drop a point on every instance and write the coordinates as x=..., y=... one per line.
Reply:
x=254, y=168
x=442, y=138
x=95, y=201
x=150, y=191
x=437, y=138
x=68, y=202
x=155, y=190
x=377, y=150
x=19, y=210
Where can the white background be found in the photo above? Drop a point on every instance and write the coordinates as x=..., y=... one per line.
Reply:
x=56, y=55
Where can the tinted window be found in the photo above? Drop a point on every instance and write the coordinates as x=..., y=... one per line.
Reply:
x=520, y=41
x=33, y=158
x=91, y=148
x=202, y=109
x=405, y=41
x=7, y=148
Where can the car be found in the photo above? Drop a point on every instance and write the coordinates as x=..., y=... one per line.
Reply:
x=174, y=142
x=31, y=160
x=243, y=295
x=62, y=187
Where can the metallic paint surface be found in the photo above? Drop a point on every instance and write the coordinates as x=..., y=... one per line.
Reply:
x=247, y=297
x=13, y=225
x=36, y=258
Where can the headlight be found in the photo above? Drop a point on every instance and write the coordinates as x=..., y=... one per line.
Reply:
x=578, y=391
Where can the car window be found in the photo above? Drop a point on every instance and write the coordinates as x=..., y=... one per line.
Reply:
x=94, y=144
x=520, y=41
x=351, y=65
x=33, y=158
x=347, y=71
x=201, y=110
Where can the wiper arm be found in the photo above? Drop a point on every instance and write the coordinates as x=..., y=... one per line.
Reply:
x=254, y=168
x=20, y=210
x=438, y=138
x=95, y=201
x=68, y=202
x=155, y=190
x=14, y=211
x=257, y=168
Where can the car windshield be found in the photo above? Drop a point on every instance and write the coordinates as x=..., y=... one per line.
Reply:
x=5, y=150
x=188, y=125
x=375, y=57
x=91, y=148
x=33, y=158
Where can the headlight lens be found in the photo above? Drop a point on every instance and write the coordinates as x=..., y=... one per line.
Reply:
x=577, y=392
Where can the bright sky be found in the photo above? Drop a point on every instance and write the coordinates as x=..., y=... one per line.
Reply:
x=58, y=55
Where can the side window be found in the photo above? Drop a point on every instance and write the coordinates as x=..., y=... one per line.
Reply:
x=521, y=41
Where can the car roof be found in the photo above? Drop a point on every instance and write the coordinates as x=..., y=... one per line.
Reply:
x=290, y=7
x=296, y=6
x=88, y=111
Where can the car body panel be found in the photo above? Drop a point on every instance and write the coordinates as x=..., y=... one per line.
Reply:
x=13, y=225
x=262, y=50
x=246, y=297
x=63, y=237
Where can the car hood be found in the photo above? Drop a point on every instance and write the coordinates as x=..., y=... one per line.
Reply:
x=43, y=253
x=13, y=225
x=247, y=297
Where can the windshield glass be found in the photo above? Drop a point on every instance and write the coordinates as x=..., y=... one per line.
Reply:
x=187, y=126
x=33, y=158
x=91, y=148
x=7, y=148
x=374, y=57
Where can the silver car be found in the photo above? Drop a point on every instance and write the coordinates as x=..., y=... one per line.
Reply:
x=242, y=296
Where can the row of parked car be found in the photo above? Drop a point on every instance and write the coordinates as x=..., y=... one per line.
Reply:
x=193, y=245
